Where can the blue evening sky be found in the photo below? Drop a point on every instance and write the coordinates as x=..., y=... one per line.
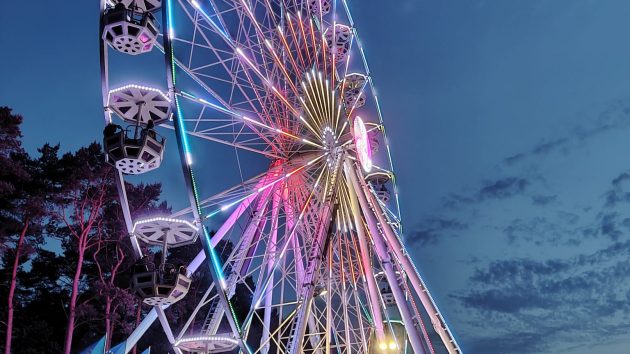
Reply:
x=508, y=121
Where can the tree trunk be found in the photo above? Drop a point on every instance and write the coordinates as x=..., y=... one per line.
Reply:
x=73, y=302
x=108, y=322
x=138, y=313
x=16, y=265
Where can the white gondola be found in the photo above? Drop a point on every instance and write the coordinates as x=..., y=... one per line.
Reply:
x=353, y=95
x=319, y=6
x=379, y=180
x=162, y=284
x=129, y=31
x=143, y=5
x=140, y=104
x=134, y=150
x=338, y=40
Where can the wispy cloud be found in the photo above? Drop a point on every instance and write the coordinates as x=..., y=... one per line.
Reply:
x=615, y=116
x=433, y=229
x=587, y=294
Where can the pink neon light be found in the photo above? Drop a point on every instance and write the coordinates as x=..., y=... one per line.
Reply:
x=362, y=144
x=144, y=38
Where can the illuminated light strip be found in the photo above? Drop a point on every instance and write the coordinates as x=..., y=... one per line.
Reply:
x=310, y=112
x=140, y=87
x=207, y=339
x=289, y=105
x=338, y=221
x=253, y=67
x=315, y=108
x=308, y=125
x=338, y=116
x=232, y=44
x=321, y=95
x=347, y=142
x=169, y=20
x=289, y=239
x=289, y=174
x=312, y=143
x=182, y=131
x=282, y=67
x=184, y=144
x=214, y=258
x=171, y=220
x=212, y=23
x=304, y=36
x=321, y=25
x=343, y=127
x=288, y=48
x=331, y=107
x=333, y=69
x=281, y=132
x=209, y=104
x=295, y=39
x=277, y=59
x=313, y=41
x=347, y=208
x=251, y=16
x=331, y=104
x=267, y=82
x=319, y=99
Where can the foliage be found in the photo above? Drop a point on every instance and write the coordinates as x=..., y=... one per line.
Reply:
x=66, y=254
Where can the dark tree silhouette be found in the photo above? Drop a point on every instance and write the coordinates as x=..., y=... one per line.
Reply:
x=22, y=207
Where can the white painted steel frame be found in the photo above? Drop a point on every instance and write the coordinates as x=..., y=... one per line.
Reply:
x=248, y=119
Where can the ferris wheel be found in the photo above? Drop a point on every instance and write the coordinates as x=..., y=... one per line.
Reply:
x=280, y=93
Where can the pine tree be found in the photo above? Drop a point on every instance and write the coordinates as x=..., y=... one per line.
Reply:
x=22, y=207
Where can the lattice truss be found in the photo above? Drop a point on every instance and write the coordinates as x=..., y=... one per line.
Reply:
x=317, y=257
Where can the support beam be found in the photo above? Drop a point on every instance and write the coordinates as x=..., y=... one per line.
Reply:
x=124, y=204
x=396, y=245
x=368, y=270
x=271, y=251
x=167, y=328
x=316, y=254
x=381, y=249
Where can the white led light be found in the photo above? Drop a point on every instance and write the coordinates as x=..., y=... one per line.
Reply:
x=188, y=158
x=140, y=87
x=225, y=339
x=164, y=219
